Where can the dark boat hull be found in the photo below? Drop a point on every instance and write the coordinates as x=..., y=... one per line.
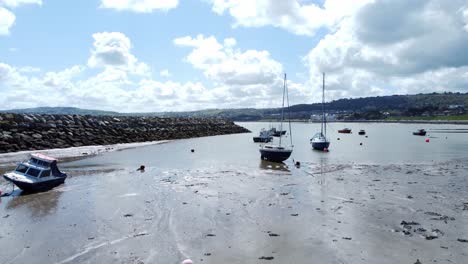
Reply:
x=344, y=131
x=278, y=133
x=38, y=186
x=320, y=145
x=362, y=133
x=275, y=156
x=419, y=133
x=262, y=139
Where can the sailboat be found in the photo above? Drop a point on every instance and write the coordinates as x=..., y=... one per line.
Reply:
x=280, y=152
x=319, y=141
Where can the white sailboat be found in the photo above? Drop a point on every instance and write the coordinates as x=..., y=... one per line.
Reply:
x=319, y=141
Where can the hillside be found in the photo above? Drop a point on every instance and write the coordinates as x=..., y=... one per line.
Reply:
x=380, y=107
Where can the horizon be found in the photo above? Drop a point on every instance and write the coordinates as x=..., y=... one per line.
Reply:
x=177, y=56
x=223, y=109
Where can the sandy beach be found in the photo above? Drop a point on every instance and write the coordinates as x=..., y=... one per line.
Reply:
x=313, y=214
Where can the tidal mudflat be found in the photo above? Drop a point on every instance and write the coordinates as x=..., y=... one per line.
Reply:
x=212, y=208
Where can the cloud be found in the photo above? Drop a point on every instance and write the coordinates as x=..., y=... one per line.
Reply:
x=140, y=6
x=165, y=73
x=112, y=49
x=223, y=64
x=292, y=15
x=7, y=19
x=16, y=3
x=396, y=46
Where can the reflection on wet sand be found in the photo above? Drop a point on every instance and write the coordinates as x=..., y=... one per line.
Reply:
x=268, y=165
x=37, y=204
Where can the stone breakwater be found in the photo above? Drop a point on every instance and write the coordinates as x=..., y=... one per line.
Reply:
x=36, y=132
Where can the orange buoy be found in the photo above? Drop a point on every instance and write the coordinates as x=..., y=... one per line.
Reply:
x=427, y=140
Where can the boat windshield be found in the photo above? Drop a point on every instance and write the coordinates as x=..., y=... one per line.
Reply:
x=33, y=172
x=45, y=173
x=21, y=168
x=40, y=162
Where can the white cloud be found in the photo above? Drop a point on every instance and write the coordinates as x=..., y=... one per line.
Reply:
x=223, y=64
x=112, y=49
x=16, y=3
x=396, y=46
x=165, y=73
x=7, y=19
x=140, y=6
x=292, y=15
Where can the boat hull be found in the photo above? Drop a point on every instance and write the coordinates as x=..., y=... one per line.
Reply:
x=362, y=133
x=344, y=131
x=37, y=186
x=320, y=145
x=275, y=155
x=419, y=133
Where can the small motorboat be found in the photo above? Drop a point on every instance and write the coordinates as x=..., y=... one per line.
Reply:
x=275, y=153
x=362, y=132
x=39, y=173
x=263, y=137
x=420, y=132
x=345, y=131
x=277, y=133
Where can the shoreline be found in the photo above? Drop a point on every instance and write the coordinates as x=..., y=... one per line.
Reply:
x=441, y=122
x=66, y=154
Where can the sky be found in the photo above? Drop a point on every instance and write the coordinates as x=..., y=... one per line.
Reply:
x=180, y=55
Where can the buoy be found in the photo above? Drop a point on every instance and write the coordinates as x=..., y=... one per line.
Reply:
x=142, y=168
x=360, y=144
x=298, y=164
x=366, y=136
x=187, y=261
x=338, y=139
x=192, y=150
x=427, y=140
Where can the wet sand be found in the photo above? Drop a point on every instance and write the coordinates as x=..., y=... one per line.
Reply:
x=338, y=213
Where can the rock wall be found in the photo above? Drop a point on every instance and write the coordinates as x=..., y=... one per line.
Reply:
x=34, y=132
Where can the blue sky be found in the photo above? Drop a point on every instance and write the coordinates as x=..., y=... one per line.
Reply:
x=169, y=55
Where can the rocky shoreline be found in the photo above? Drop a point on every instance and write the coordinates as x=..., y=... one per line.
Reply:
x=21, y=132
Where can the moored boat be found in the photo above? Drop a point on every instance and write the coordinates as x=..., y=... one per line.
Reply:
x=263, y=137
x=278, y=153
x=362, y=132
x=39, y=173
x=319, y=141
x=420, y=132
x=345, y=131
x=276, y=133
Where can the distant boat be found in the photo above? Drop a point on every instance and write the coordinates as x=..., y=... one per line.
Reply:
x=263, y=137
x=319, y=141
x=420, y=132
x=362, y=132
x=344, y=131
x=279, y=153
x=39, y=173
x=276, y=133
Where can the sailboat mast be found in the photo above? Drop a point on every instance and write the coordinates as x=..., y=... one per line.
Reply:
x=289, y=112
x=324, y=123
x=282, y=110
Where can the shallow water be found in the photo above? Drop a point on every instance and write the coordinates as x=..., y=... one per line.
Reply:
x=221, y=204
